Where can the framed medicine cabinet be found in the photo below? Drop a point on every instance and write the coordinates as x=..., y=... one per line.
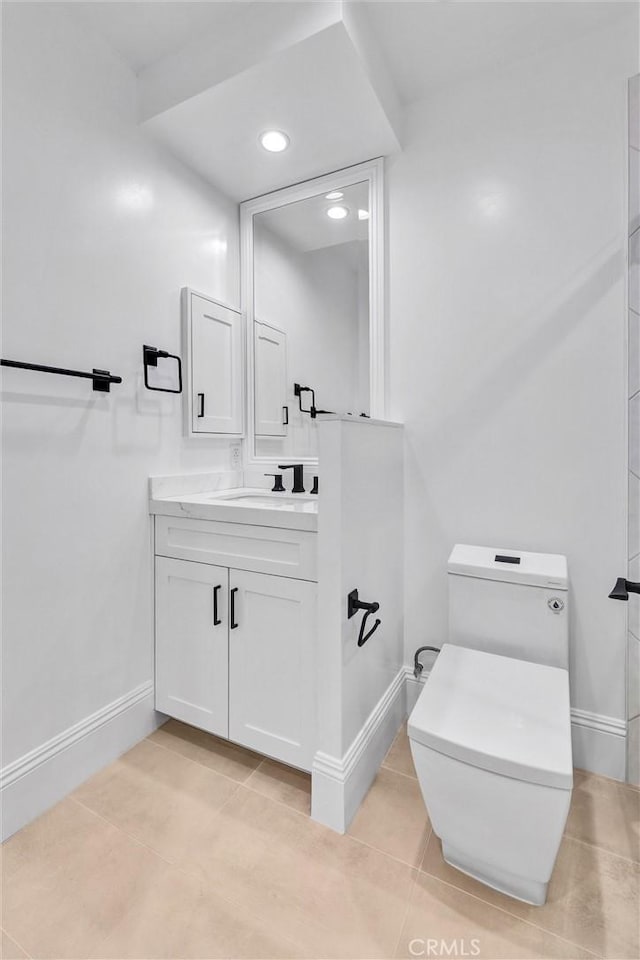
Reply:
x=214, y=354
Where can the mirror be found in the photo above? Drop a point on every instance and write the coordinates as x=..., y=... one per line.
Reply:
x=308, y=267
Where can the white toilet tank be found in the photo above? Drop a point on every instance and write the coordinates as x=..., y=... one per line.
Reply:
x=510, y=603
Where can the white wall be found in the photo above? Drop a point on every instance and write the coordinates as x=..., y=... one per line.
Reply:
x=314, y=297
x=361, y=699
x=507, y=254
x=102, y=229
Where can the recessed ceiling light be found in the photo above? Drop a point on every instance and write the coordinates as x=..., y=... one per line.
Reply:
x=492, y=204
x=335, y=195
x=337, y=213
x=275, y=141
x=363, y=214
x=135, y=197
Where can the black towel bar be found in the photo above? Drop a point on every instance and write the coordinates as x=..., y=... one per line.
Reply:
x=102, y=379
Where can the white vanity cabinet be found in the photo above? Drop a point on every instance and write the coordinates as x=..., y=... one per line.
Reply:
x=192, y=649
x=235, y=647
x=271, y=663
x=213, y=348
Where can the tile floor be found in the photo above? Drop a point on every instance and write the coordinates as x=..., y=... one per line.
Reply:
x=190, y=847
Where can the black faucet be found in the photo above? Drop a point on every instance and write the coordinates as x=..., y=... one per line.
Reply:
x=298, y=475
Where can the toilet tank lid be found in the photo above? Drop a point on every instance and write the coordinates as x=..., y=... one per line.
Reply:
x=510, y=566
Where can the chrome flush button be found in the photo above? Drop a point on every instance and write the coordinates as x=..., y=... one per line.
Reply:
x=555, y=604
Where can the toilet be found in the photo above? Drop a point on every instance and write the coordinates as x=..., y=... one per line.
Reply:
x=490, y=733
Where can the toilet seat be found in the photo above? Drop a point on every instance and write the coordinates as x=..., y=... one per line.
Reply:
x=508, y=716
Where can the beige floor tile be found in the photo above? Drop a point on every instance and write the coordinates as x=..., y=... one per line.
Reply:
x=605, y=813
x=282, y=783
x=179, y=917
x=399, y=756
x=593, y=897
x=444, y=922
x=69, y=878
x=332, y=895
x=159, y=797
x=258, y=878
x=220, y=755
x=393, y=817
x=10, y=949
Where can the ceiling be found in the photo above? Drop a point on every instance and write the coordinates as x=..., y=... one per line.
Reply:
x=333, y=117
x=143, y=33
x=213, y=75
x=429, y=45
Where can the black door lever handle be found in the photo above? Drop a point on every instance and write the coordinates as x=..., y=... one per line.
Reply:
x=623, y=588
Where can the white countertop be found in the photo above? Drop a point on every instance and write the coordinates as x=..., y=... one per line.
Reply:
x=251, y=505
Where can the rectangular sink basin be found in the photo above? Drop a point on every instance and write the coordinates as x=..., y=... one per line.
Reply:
x=296, y=504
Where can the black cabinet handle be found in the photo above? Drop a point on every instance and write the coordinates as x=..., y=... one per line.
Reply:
x=285, y=416
x=216, y=621
x=232, y=617
x=201, y=404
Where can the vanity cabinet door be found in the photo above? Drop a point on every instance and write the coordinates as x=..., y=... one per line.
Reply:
x=271, y=656
x=216, y=380
x=192, y=643
x=271, y=410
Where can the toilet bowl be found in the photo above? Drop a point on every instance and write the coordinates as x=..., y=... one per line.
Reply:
x=490, y=734
x=491, y=743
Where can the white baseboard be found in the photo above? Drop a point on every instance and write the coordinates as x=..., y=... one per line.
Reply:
x=42, y=777
x=339, y=785
x=39, y=779
x=633, y=751
x=599, y=742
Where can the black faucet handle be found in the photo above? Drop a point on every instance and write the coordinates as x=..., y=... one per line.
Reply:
x=277, y=482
